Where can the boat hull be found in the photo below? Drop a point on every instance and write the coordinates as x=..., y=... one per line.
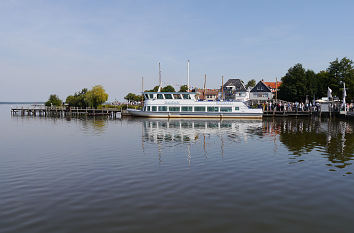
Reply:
x=254, y=115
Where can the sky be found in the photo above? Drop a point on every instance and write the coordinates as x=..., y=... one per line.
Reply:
x=59, y=47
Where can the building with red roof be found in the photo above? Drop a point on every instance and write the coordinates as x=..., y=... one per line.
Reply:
x=273, y=86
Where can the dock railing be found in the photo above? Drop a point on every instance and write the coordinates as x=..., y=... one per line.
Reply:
x=41, y=110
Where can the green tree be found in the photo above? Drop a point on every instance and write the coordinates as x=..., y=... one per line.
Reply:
x=311, y=84
x=138, y=98
x=130, y=97
x=133, y=97
x=251, y=83
x=53, y=101
x=71, y=101
x=155, y=89
x=96, y=96
x=341, y=71
x=183, y=88
x=323, y=83
x=78, y=99
x=168, y=88
x=293, y=86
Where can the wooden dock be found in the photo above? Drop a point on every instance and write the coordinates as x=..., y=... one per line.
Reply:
x=64, y=112
x=287, y=113
x=43, y=111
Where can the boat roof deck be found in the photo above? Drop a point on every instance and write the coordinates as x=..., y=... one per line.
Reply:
x=148, y=92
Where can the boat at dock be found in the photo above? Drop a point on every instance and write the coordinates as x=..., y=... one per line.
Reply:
x=186, y=105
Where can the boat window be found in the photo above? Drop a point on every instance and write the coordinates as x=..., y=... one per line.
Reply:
x=146, y=96
x=168, y=96
x=153, y=108
x=237, y=108
x=225, y=109
x=199, y=109
x=162, y=108
x=187, y=108
x=148, y=108
x=160, y=96
x=177, y=96
x=212, y=124
x=174, y=109
x=213, y=109
x=151, y=96
x=187, y=124
x=199, y=125
x=186, y=96
x=174, y=124
x=225, y=125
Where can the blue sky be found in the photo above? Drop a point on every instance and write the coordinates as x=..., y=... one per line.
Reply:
x=63, y=46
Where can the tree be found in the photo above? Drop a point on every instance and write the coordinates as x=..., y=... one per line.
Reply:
x=138, y=98
x=322, y=83
x=293, y=86
x=251, y=83
x=133, y=97
x=155, y=89
x=183, y=88
x=168, y=88
x=96, y=96
x=338, y=72
x=78, y=99
x=311, y=84
x=71, y=101
x=53, y=101
x=130, y=97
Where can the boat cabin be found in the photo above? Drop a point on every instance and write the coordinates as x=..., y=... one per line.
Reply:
x=169, y=96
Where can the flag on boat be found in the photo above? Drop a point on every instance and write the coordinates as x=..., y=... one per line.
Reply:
x=344, y=95
x=329, y=93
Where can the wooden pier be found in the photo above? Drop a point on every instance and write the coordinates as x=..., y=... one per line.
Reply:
x=288, y=113
x=65, y=112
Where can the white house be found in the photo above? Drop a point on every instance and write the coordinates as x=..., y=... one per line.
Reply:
x=234, y=89
x=261, y=92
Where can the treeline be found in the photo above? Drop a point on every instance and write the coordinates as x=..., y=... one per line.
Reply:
x=299, y=82
x=84, y=98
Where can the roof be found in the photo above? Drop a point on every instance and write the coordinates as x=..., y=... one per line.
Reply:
x=208, y=91
x=261, y=87
x=273, y=85
x=237, y=83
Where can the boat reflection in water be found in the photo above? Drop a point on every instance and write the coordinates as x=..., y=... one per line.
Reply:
x=332, y=139
x=177, y=131
x=166, y=133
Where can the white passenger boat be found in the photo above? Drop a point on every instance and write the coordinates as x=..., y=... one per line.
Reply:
x=185, y=105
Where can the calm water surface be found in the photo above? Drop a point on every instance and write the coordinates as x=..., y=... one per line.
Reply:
x=144, y=175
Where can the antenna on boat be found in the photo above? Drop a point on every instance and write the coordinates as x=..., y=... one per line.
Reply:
x=222, y=87
x=188, y=76
x=276, y=89
x=160, y=82
x=142, y=89
x=204, y=85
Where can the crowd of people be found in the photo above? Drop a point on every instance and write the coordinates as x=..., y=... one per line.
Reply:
x=302, y=107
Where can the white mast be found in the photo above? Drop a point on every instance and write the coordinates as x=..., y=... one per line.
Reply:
x=160, y=82
x=188, y=76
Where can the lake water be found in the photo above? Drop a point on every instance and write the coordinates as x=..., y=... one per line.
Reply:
x=145, y=175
